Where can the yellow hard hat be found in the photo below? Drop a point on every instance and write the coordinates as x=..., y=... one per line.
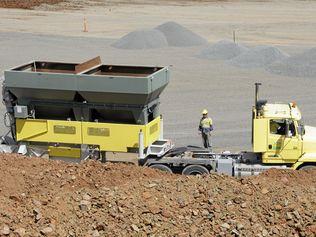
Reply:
x=204, y=111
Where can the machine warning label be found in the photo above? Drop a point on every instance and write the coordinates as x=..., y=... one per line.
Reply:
x=62, y=129
x=153, y=128
x=104, y=132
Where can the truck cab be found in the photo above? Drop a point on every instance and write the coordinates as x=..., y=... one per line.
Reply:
x=280, y=136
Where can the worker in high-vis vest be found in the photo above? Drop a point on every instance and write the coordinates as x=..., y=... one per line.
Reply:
x=205, y=128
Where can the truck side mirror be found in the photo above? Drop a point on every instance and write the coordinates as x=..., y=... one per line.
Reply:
x=301, y=129
x=287, y=129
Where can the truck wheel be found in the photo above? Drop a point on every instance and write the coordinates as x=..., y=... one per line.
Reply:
x=194, y=170
x=162, y=168
x=308, y=167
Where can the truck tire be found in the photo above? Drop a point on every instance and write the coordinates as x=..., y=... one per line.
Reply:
x=162, y=168
x=195, y=170
x=308, y=167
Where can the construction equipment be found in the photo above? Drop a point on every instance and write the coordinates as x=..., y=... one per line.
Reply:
x=89, y=110
x=80, y=110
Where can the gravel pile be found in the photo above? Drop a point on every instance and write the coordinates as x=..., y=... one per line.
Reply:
x=179, y=36
x=302, y=65
x=222, y=50
x=142, y=39
x=260, y=56
x=39, y=197
x=167, y=34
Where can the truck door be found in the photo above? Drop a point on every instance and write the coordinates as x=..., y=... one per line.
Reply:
x=282, y=148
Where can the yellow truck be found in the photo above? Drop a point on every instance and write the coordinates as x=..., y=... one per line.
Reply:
x=280, y=140
x=79, y=111
x=280, y=137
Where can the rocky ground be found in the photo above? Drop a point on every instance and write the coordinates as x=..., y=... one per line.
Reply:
x=26, y=4
x=39, y=197
x=75, y=4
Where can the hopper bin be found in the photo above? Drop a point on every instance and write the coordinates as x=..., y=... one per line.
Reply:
x=86, y=92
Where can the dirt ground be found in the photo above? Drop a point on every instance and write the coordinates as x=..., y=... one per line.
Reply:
x=50, y=198
x=32, y=4
x=26, y=4
x=56, y=33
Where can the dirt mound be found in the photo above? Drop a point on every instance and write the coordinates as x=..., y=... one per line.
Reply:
x=179, y=36
x=222, y=50
x=26, y=4
x=142, y=39
x=302, y=65
x=48, y=198
x=260, y=56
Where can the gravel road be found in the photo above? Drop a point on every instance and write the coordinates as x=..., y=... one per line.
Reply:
x=226, y=91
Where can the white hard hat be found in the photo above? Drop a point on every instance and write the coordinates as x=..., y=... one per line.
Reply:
x=204, y=111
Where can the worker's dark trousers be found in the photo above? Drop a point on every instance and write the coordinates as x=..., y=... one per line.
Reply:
x=206, y=137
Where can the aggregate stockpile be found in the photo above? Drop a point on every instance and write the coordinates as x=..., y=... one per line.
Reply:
x=267, y=57
x=222, y=50
x=142, y=39
x=301, y=65
x=238, y=55
x=39, y=197
x=167, y=34
x=260, y=56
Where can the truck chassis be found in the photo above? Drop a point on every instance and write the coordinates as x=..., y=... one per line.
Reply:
x=193, y=160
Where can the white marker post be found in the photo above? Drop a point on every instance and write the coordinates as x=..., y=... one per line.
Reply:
x=141, y=145
x=161, y=128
